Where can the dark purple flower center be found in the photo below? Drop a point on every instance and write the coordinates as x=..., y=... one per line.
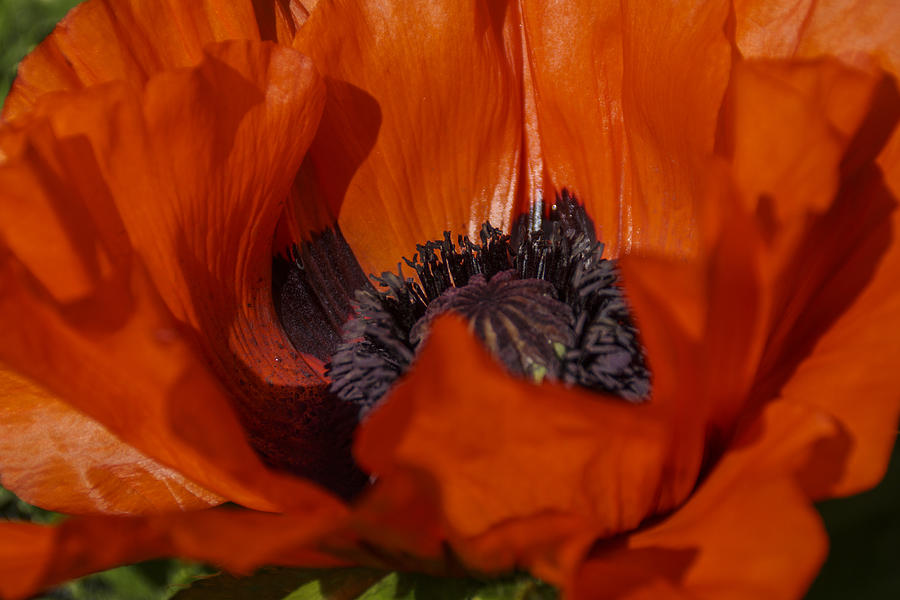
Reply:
x=542, y=300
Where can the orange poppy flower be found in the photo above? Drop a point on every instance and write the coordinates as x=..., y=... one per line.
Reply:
x=740, y=160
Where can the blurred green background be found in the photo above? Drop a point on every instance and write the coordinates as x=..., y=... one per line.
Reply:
x=864, y=562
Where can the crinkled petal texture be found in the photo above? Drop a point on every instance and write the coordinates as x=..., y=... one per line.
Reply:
x=61, y=459
x=801, y=400
x=858, y=32
x=851, y=233
x=748, y=532
x=627, y=98
x=203, y=247
x=106, y=40
x=35, y=556
x=160, y=209
x=829, y=251
x=496, y=451
x=422, y=127
x=498, y=105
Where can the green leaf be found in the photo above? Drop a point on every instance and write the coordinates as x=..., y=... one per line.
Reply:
x=522, y=588
x=412, y=586
x=279, y=583
x=13, y=509
x=150, y=580
x=362, y=584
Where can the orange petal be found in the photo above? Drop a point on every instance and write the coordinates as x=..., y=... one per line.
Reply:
x=805, y=167
x=166, y=163
x=122, y=360
x=628, y=95
x=56, y=212
x=33, y=557
x=889, y=161
x=217, y=149
x=551, y=546
x=669, y=299
x=702, y=325
x=225, y=177
x=748, y=531
x=498, y=450
x=857, y=31
x=100, y=41
x=759, y=238
x=22, y=547
x=422, y=127
x=844, y=336
x=59, y=459
x=790, y=158
x=786, y=131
